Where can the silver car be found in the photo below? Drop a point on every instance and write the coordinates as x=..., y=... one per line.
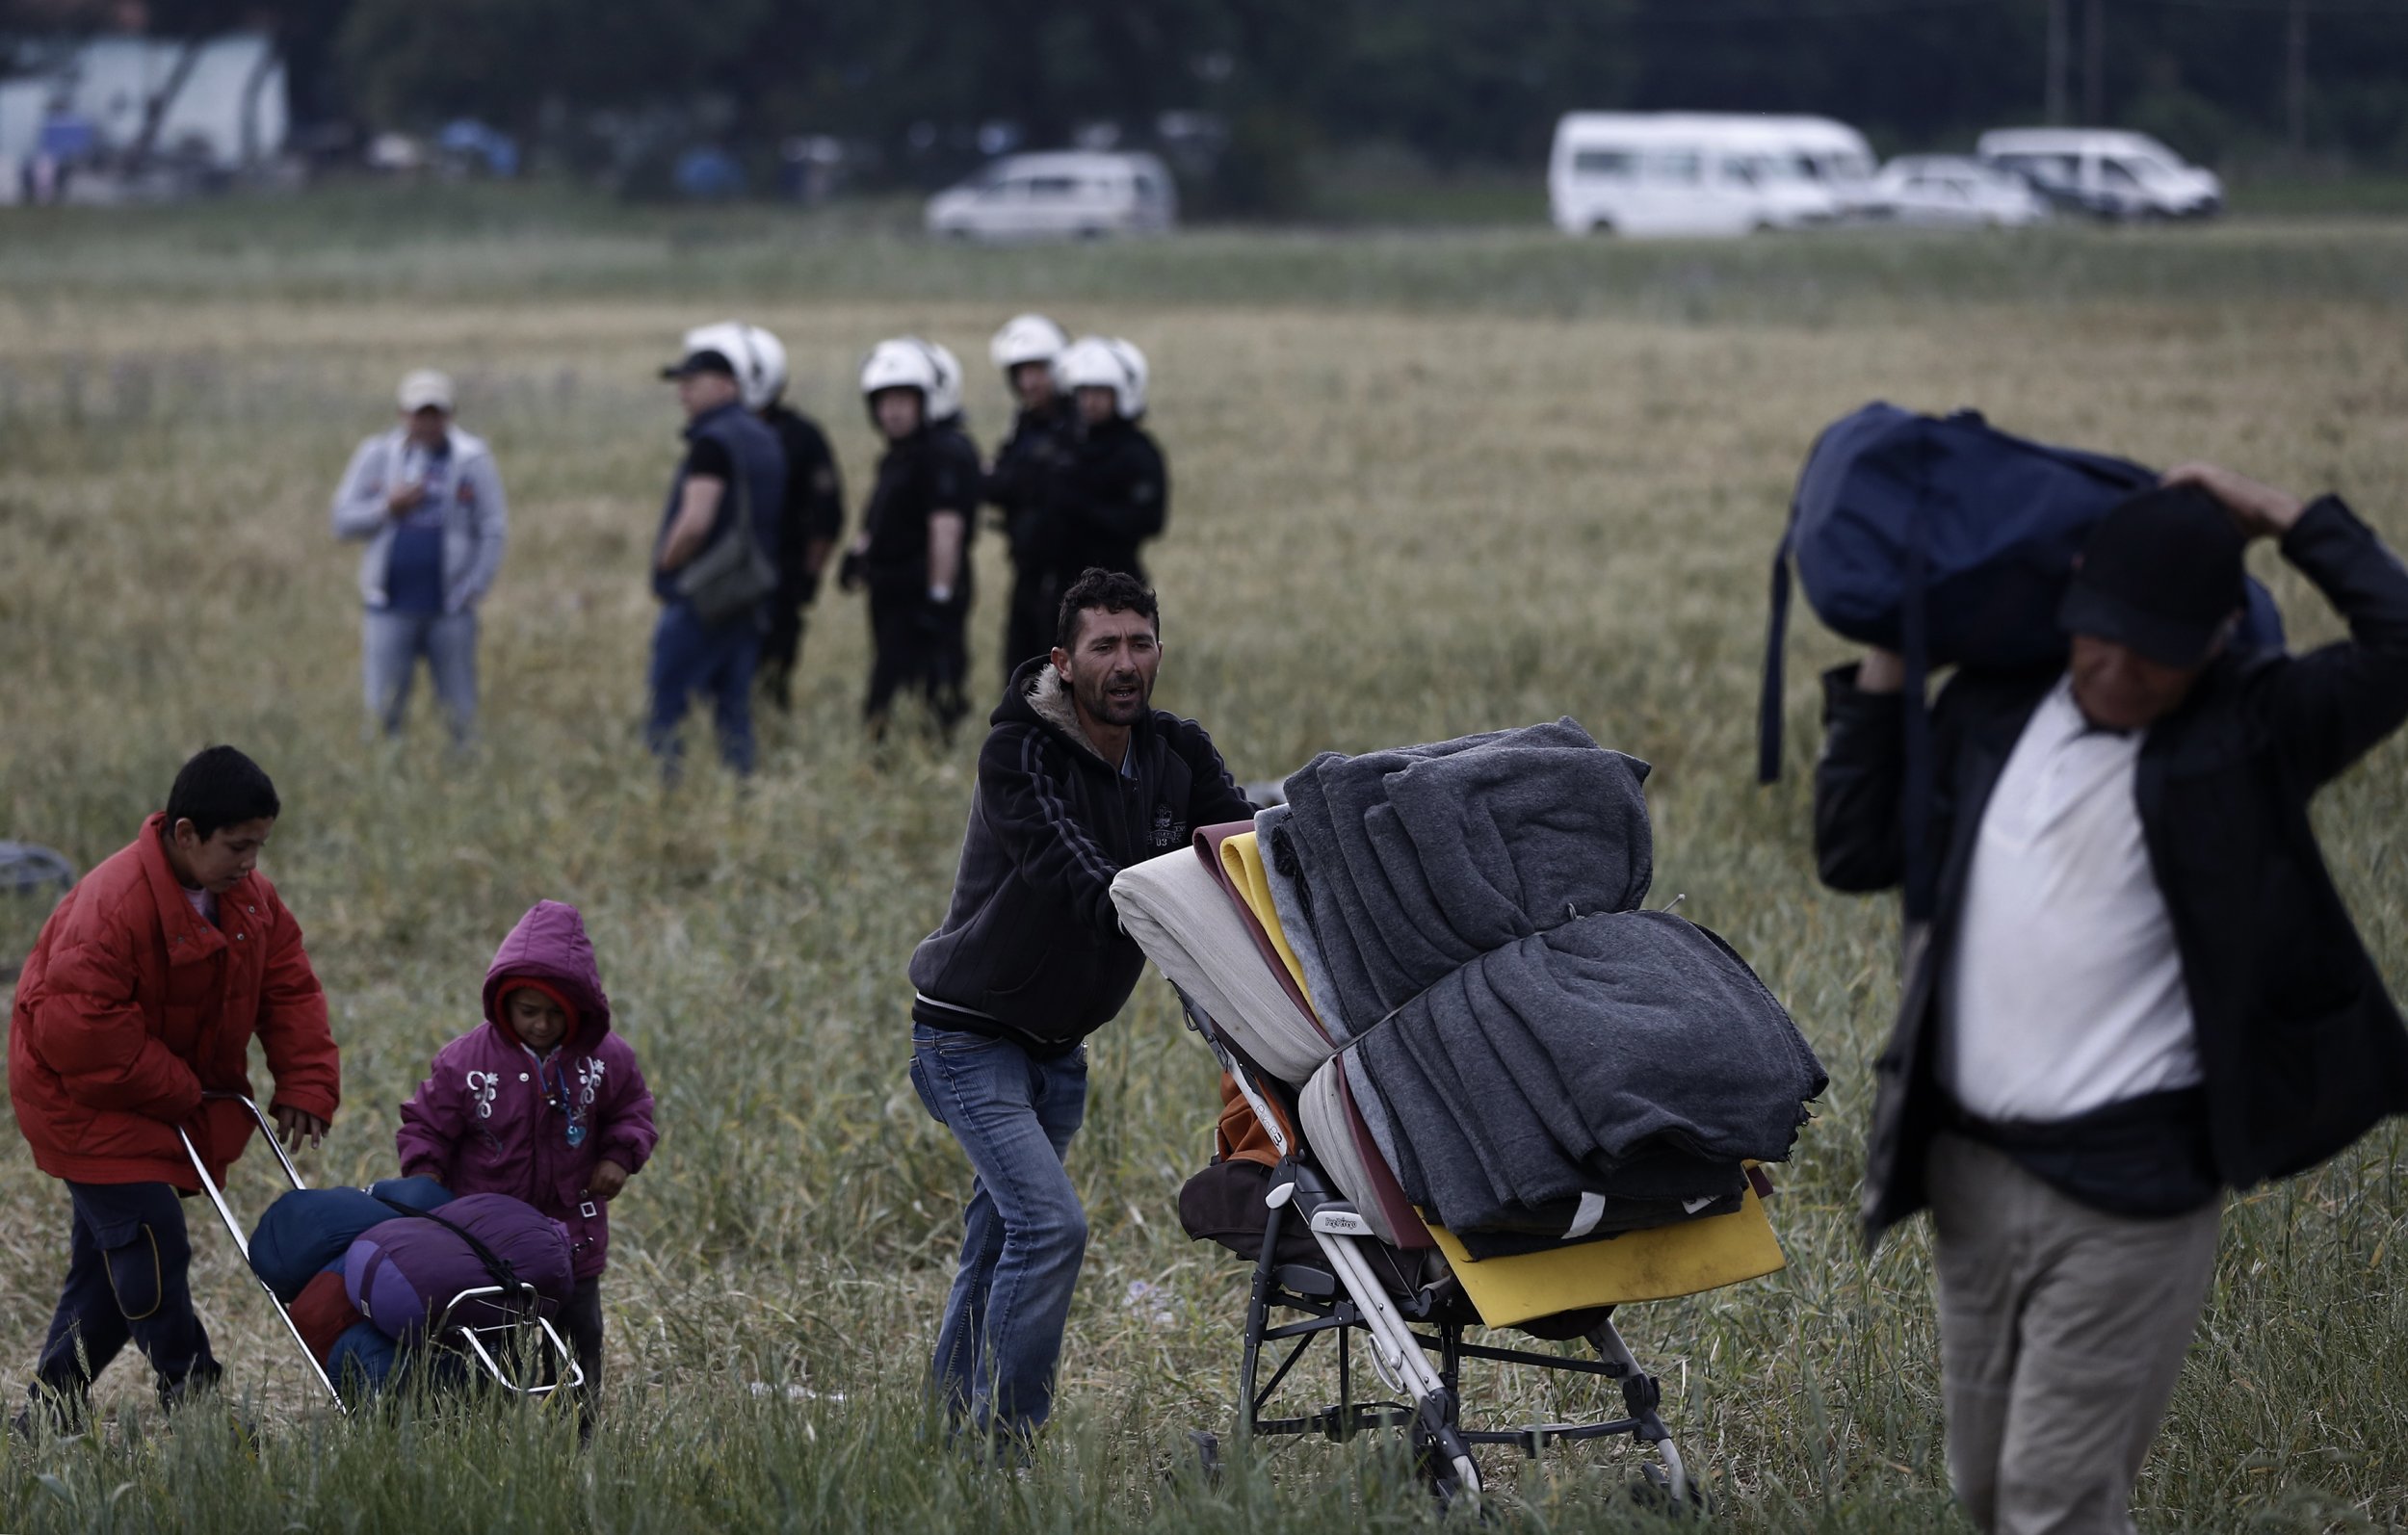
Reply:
x=1954, y=191
x=1069, y=195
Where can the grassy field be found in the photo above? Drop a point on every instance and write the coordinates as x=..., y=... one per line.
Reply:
x=1423, y=485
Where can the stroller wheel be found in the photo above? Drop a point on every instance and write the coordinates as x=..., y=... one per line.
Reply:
x=1443, y=1464
x=1652, y=1490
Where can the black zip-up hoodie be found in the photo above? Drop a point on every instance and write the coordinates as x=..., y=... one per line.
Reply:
x=1032, y=950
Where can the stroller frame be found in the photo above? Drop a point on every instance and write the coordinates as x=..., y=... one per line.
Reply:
x=551, y=1348
x=1347, y=1297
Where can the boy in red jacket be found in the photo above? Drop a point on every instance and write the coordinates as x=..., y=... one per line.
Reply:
x=142, y=996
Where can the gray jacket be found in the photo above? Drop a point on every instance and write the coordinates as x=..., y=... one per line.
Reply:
x=476, y=520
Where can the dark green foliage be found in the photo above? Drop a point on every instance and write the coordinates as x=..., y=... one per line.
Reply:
x=1453, y=81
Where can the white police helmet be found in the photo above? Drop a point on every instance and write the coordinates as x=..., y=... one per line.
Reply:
x=945, y=399
x=1026, y=338
x=766, y=379
x=731, y=339
x=899, y=362
x=1106, y=362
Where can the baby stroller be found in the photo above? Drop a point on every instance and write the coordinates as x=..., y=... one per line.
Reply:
x=496, y=1332
x=1339, y=1252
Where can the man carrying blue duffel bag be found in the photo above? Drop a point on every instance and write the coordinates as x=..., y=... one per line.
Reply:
x=2137, y=986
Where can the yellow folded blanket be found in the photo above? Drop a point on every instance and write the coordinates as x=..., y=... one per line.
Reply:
x=1242, y=858
x=1697, y=1255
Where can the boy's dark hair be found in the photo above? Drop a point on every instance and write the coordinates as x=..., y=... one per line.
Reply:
x=1113, y=591
x=220, y=787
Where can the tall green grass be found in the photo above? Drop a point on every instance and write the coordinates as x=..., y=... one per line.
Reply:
x=1421, y=486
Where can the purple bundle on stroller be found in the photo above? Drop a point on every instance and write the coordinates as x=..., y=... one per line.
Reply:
x=363, y=1279
x=499, y=1258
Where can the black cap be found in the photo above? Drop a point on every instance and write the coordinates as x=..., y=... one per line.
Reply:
x=2161, y=574
x=707, y=360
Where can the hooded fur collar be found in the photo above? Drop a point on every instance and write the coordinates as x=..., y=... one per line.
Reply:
x=1048, y=694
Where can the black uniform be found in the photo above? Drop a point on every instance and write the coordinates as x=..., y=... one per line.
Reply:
x=915, y=640
x=1026, y=484
x=1114, y=495
x=813, y=512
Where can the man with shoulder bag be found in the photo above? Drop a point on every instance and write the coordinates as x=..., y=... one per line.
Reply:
x=2138, y=986
x=712, y=568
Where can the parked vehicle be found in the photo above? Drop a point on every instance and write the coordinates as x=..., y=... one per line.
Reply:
x=1954, y=191
x=1701, y=174
x=1071, y=195
x=2106, y=172
x=1832, y=154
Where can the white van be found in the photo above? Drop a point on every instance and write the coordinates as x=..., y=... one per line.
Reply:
x=1073, y=194
x=1703, y=173
x=2104, y=172
x=1832, y=153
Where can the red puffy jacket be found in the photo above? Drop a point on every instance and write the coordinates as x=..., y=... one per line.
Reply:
x=131, y=1005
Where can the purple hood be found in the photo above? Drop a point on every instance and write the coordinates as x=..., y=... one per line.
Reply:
x=550, y=945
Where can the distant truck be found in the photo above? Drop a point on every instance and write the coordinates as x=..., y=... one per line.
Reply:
x=1704, y=174
x=2106, y=172
x=1071, y=195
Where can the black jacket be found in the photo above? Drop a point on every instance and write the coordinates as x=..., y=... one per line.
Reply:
x=814, y=507
x=1026, y=482
x=933, y=470
x=1032, y=949
x=1114, y=495
x=2301, y=1049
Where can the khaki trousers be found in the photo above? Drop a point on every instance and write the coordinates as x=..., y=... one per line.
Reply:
x=2061, y=1332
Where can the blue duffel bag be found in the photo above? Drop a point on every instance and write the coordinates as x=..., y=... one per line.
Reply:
x=1951, y=542
x=307, y=1229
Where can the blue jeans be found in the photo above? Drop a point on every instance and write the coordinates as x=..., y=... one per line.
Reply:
x=689, y=658
x=391, y=644
x=127, y=1280
x=1024, y=1233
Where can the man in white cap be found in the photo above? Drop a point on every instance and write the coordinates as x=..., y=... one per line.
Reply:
x=427, y=500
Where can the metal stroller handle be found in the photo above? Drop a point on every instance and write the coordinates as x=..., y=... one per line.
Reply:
x=234, y=1227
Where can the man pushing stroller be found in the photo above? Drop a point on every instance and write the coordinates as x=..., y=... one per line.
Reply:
x=1081, y=776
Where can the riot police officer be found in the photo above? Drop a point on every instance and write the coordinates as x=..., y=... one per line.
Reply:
x=1116, y=492
x=1025, y=481
x=912, y=552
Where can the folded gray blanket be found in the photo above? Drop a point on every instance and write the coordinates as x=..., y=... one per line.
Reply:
x=1531, y=1043
x=1632, y=1056
x=1420, y=860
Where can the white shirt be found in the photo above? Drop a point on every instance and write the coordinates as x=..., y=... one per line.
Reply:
x=2065, y=991
x=205, y=905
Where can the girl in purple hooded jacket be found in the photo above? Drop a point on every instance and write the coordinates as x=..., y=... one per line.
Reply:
x=542, y=1102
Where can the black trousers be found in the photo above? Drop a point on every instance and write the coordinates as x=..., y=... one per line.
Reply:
x=781, y=649
x=580, y=1327
x=917, y=646
x=128, y=1280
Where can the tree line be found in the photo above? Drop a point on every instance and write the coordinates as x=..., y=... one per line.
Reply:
x=1454, y=82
